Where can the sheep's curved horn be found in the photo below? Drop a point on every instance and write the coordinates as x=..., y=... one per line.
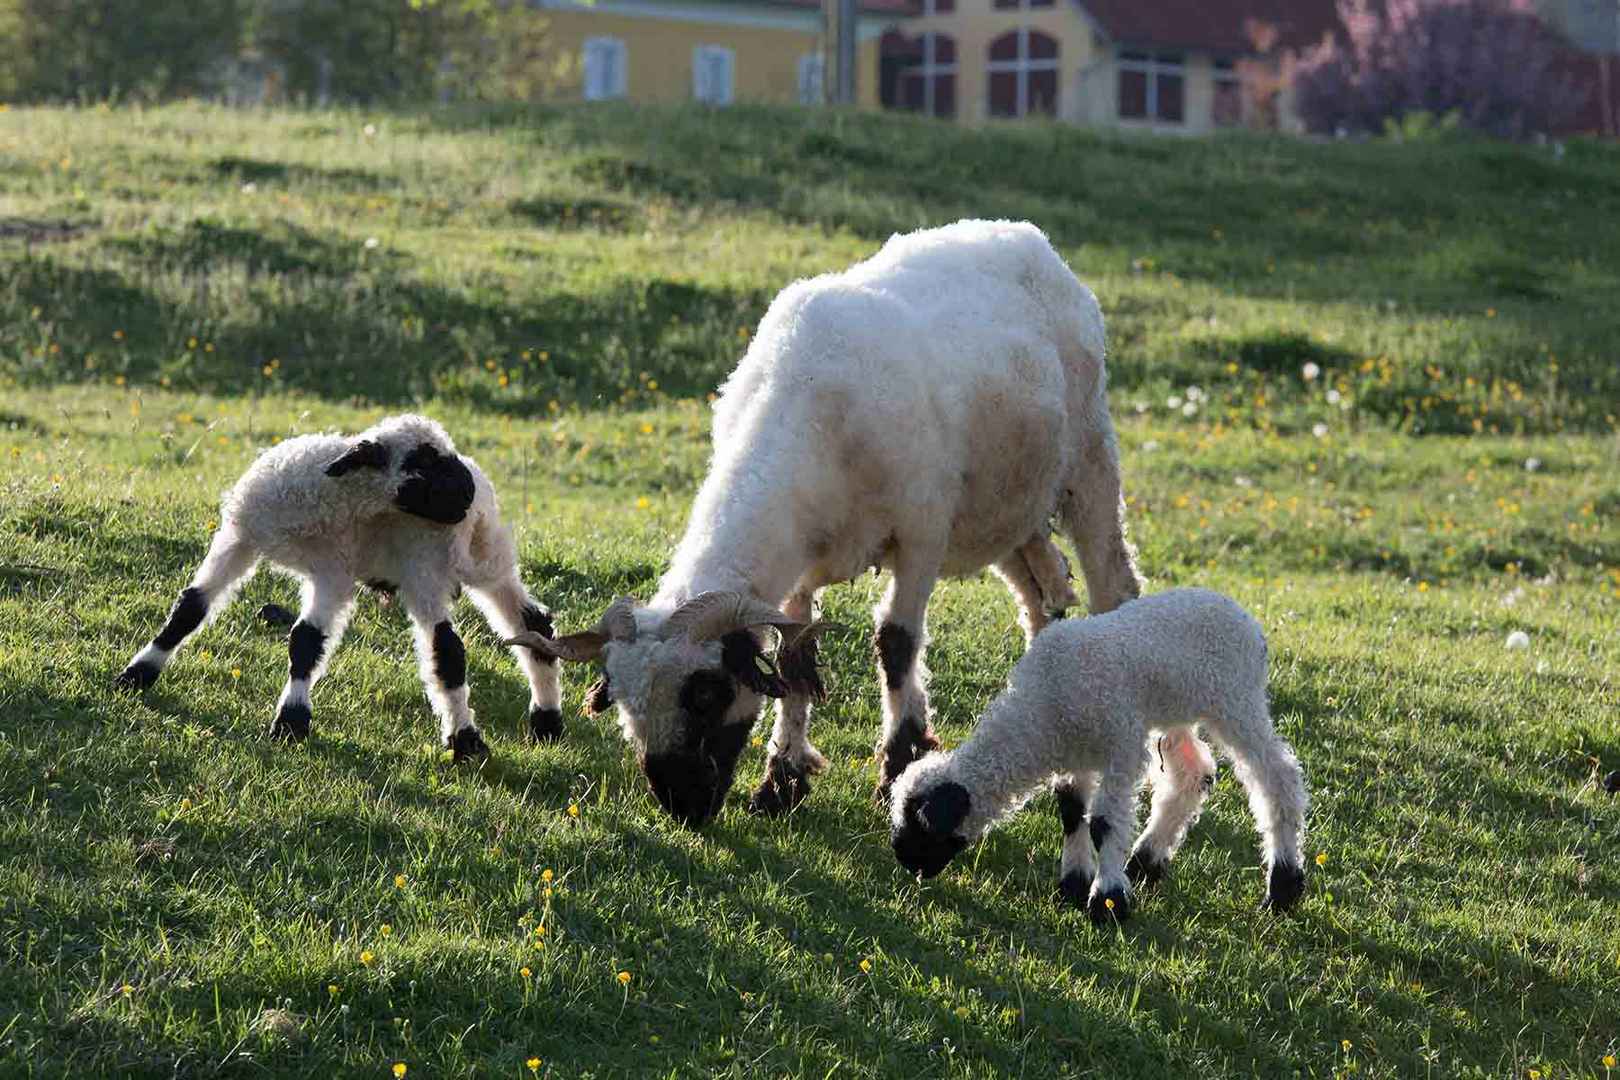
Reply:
x=714, y=614
x=618, y=623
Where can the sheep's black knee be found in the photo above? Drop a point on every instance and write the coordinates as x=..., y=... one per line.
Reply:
x=537, y=620
x=1071, y=808
x=305, y=645
x=1099, y=830
x=785, y=786
x=449, y=657
x=189, y=612
x=896, y=650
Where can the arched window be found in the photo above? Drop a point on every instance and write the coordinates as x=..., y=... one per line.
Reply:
x=1023, y=71
x=928, y=85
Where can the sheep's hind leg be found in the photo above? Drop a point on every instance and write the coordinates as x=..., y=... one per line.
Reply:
x=1077, y=869
x=1183, y=772
x=791, y=760
x=328, y=598
x=230, y=559
x=442, y=659
x=1093, y=513
x=1037, y=574
x=510, y=609
x=1269, y=772
x=907, y=732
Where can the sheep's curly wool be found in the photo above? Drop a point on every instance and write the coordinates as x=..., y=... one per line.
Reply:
x=396, y=508
x=1079, y=707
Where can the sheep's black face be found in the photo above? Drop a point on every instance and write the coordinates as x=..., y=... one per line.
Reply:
x=691, y=783
x=927, y=840
x=437, y=486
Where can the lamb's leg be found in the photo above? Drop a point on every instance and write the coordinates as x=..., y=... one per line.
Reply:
x=1077, y=869
x=1269, y=772
x=1183, y=772
x=907, y=733
x=328, y=598
x=791, y=760
x=510, y=609
x=1038, y=575
x=1093, y=512
x=230, y=558
x=1112, y=826
x=442, y=659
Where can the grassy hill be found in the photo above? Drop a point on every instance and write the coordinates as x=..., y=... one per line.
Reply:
x=181, y=287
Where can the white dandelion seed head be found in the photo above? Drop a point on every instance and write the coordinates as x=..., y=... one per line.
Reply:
x=369, y=131
x=1195, y=393
x=1173, y=401
x=1532, y=464
x=1319, y=429
x=1190, y=409
x=249, y=188
x=1310, y=371
x=1150, y=446
x=1242, y=481
x=372, y=242
x=1333, y=397
x=1517, y=640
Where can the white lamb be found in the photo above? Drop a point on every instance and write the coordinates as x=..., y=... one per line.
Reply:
x=930, y=410
x=1078, y=708
x=396, y=508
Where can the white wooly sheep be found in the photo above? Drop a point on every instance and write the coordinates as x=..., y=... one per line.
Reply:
x=395, y=508
x=930, y=411
x=1079, y=708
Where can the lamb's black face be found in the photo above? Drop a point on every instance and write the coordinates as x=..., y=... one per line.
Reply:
x=437, y=486
x=691, y=783
x=927, y=841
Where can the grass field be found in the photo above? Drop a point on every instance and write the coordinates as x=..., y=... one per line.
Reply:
x=181, y=287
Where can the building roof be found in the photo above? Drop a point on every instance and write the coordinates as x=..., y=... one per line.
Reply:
x=864, y=7
x=1222, y=26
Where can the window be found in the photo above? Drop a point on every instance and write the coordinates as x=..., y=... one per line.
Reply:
x=929, y=85
x=812, y=79
x=1153, y=86
x=1023, y=71
x=711, y=74
x=1021, y=5
x=1226, y=110
x=605, y=68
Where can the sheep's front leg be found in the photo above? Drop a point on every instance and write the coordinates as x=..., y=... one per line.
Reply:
x=510, y=609
x=791, y=760
x=328, y=597
x=1183, y=772
x=1077, y=868
x=907, y=732
x=1112, y=826
x=230, y=559
x=442, y=660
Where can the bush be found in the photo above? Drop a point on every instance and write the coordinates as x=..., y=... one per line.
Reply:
x=1491, y=63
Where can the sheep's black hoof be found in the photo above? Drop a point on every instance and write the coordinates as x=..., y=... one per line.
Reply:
x=277, y=616
x=137, y=677
x=1284, y=887
x=291, y=724
x=1107, y=908
x=545, y=725
x=1145, y=868
x=785, y=786
x=1074, y=889
x=466, y=745
x=1611, y=783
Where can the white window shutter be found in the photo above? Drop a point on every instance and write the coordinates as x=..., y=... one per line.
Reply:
x=811, y=79
x=712, y=74
x=605, y=69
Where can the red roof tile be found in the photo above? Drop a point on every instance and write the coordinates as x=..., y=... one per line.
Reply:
x=866, y=7
x=1216, y=25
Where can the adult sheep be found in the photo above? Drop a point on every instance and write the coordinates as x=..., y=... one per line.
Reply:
x=928, y=411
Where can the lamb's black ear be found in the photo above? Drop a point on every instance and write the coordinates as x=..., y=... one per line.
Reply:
x=364, y=454
x=744, y=661
x=945, y=808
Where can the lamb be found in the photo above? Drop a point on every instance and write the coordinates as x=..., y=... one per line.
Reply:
x=1079, y=707
x=394, y=507
x=929, y=411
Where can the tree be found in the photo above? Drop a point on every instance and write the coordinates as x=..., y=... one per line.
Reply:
x=1491, y=63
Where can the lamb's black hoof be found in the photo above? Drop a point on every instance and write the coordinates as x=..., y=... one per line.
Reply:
x=137, y=677
x=545, y=725
x=466, y=745
x=291, y=724
x=1074, y=889
x=785, y=786
x=276, y=615
x=1284, y=888
x=1107, y=908
x=1611, y=783
x=1144, y=868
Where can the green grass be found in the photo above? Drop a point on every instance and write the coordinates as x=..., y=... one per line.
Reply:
x=178, y=896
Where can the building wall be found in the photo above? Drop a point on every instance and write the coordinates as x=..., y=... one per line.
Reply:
x=659, y=39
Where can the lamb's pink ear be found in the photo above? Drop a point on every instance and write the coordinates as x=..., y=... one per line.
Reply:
x=364, y=454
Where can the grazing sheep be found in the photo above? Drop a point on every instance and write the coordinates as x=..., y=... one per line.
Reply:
x=1079, y=707
x=396, y=508
x=930, y=411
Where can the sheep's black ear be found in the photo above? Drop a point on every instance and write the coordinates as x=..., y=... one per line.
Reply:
x=945, y=808
x=599, y=698
x=364, y=454
x=744, y=661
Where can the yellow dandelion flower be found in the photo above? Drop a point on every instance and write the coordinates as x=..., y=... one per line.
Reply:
x=399, y=881
x=367, y=957
x=624, y=978
x=126, y=989
x=333, y=990
x=1321, y=858
x=533, y=1064
x=1108, y=903
x=643, y=502
x=1345, y=1045
x=524, y=971
x=385, y=929
x=185, y=804
x=573, y=810
x=118, y=335
x=866, y=964
x=1608, y=1061
x=399, y=1070
x=652, y=384
x=1535, y=1074
x=646, y=429
x=236, y=673
x=540, y=931
x=546, y=875
x=962, y=1012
